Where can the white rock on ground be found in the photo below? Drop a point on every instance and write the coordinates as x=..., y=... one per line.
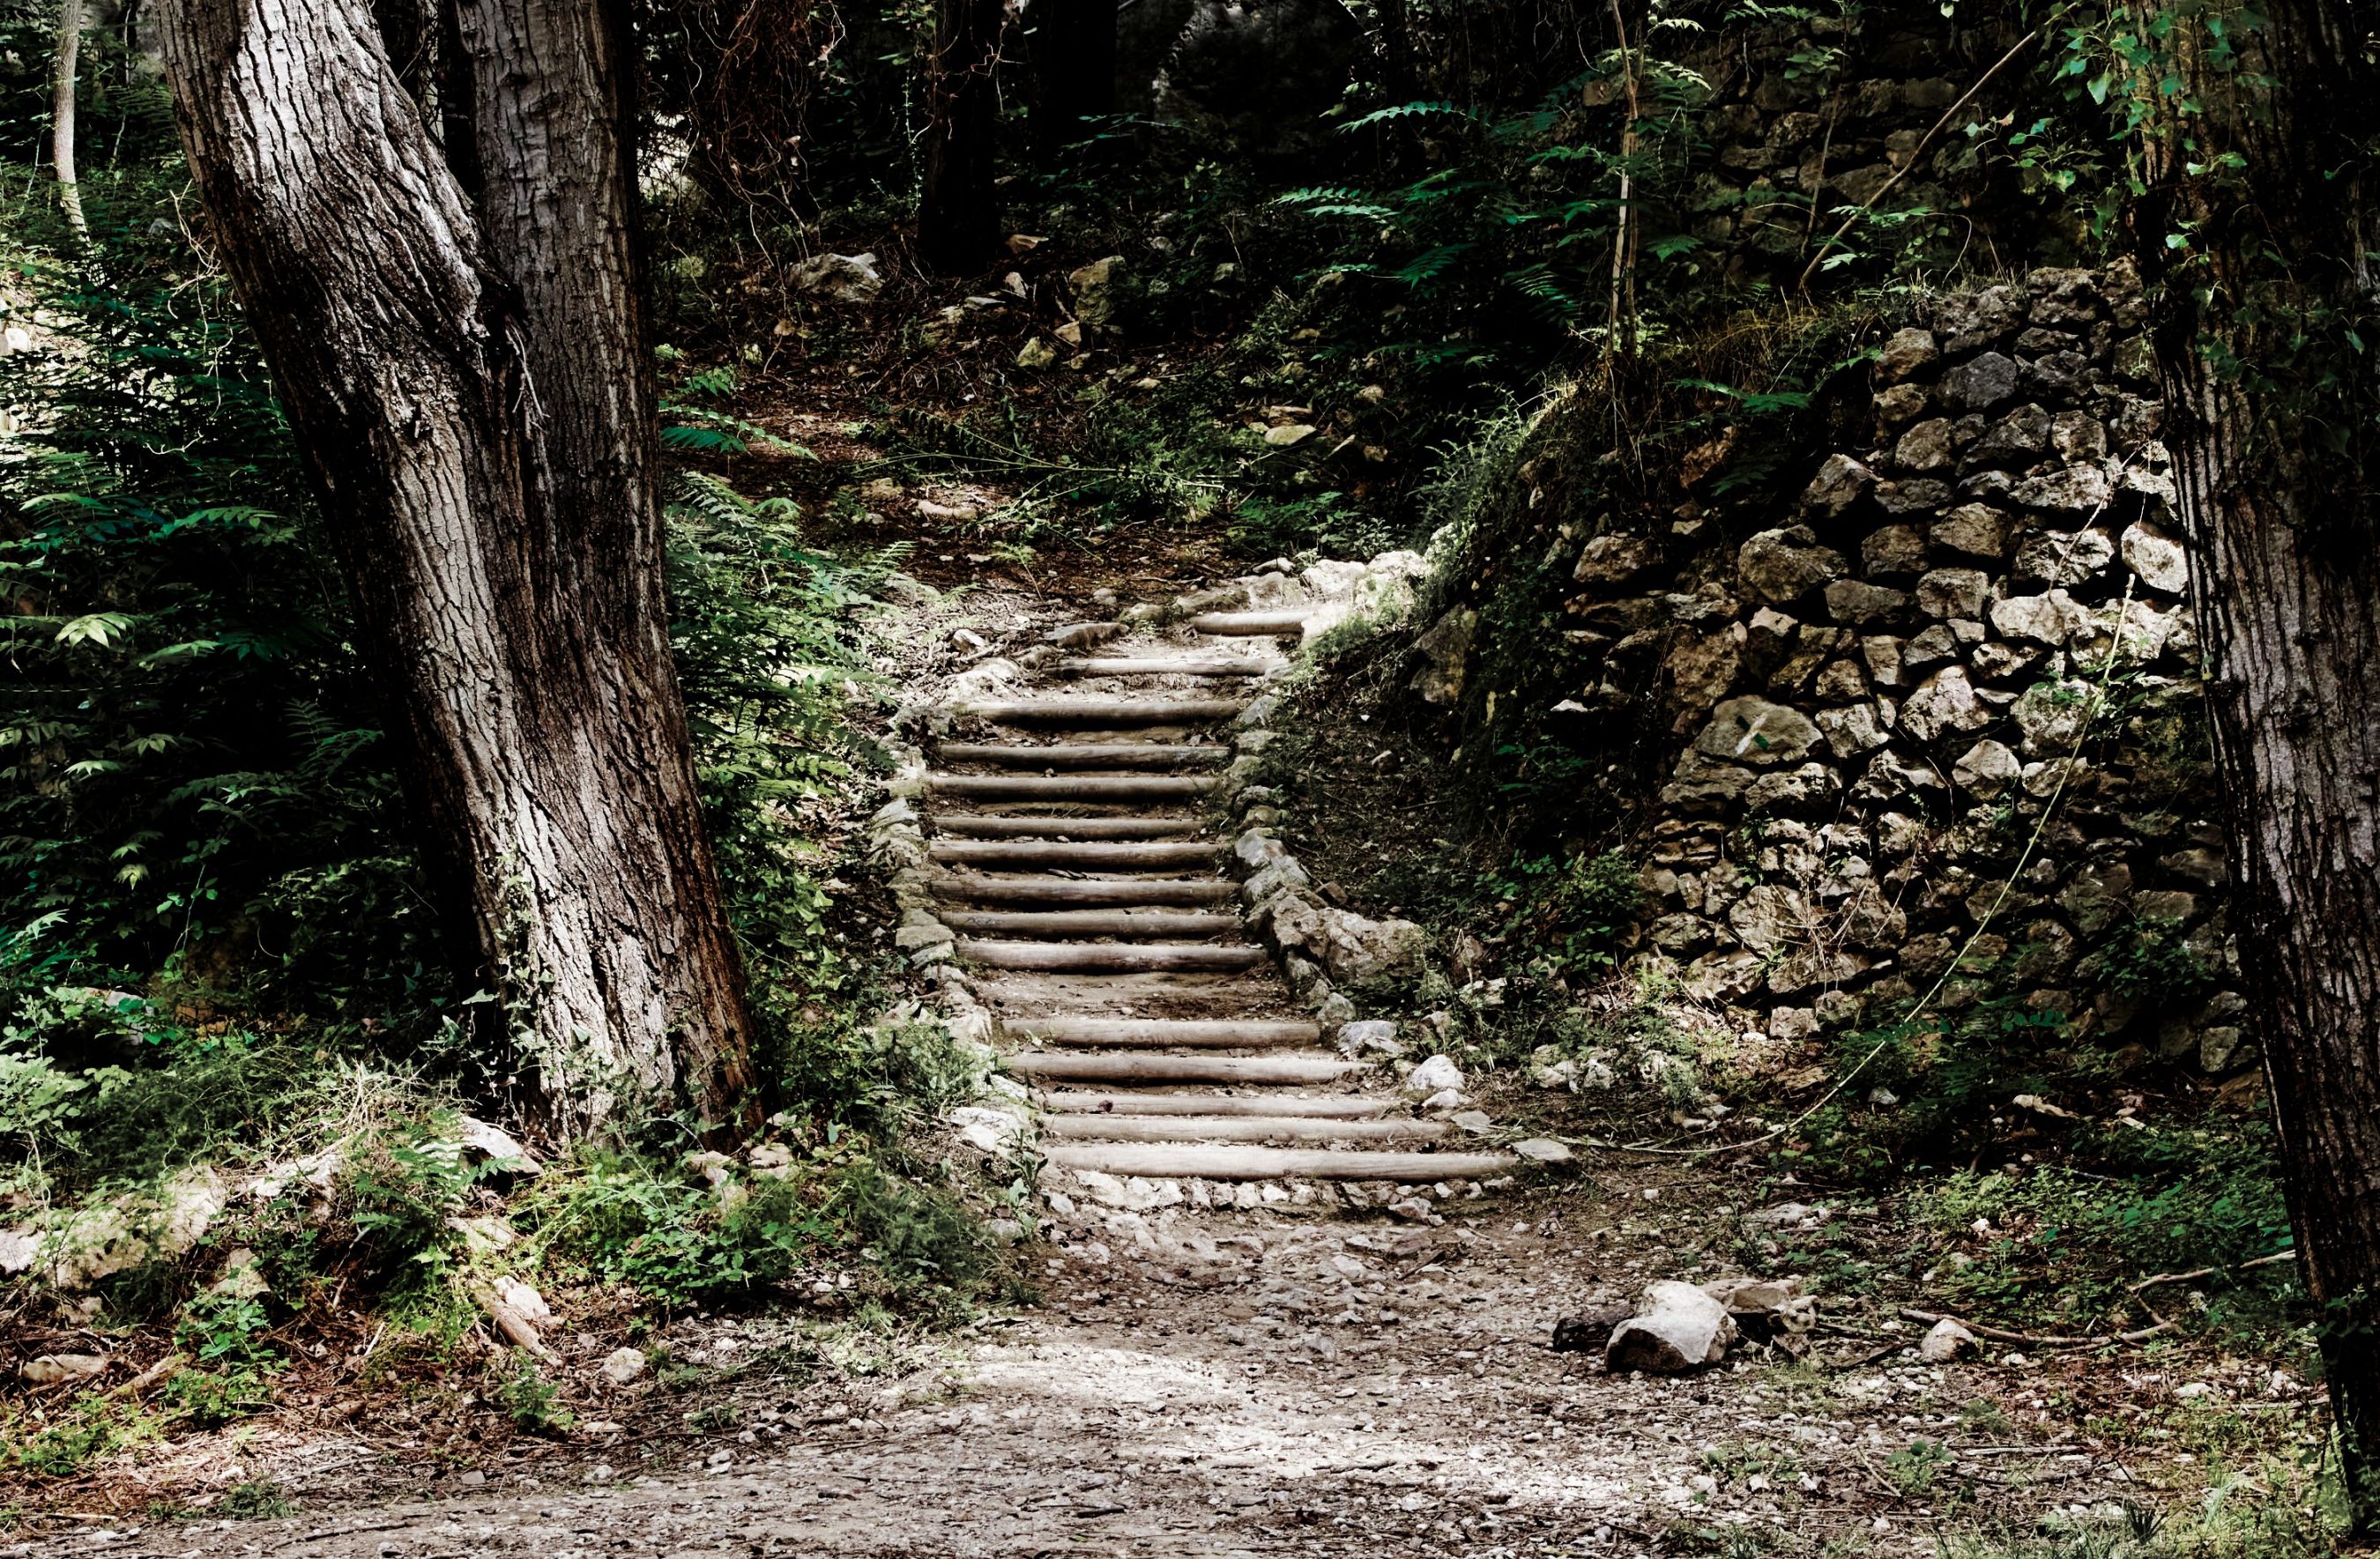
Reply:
x=52, y=1367
x=624, y=1366
x=985, y=1129
x=1946, y=1342
x=1433, y=1076
x=1676, y=1327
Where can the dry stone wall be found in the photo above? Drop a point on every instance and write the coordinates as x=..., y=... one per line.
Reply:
x=1905, y=764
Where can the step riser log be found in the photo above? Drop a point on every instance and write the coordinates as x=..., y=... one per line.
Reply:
x=1092, y=855
x=961, y=825
x=1252, y=1071
x=1335, y=1107
x=1091, y=923
x=1107, y=957
x=1162, y=1032
x=1085, y=754
x=1112, y=713
x=1130, y=668
x=1275, y=625
x=1154, y=892
x=1084, y=788
x=1168, y=1161
x=1237, y=1129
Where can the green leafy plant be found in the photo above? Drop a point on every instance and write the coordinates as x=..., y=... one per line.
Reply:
x=1917, y=1467
x=531, y=1401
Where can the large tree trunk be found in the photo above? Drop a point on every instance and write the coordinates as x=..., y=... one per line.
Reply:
x=958, y=212
x=1074, y=67
x=62, y=114
x=475, y=401
x=2271, y=419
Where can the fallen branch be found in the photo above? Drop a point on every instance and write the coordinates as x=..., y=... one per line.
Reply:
x=2031, y=1339
x=2195, y=1273
x=515, y=1327
x=151, y=1376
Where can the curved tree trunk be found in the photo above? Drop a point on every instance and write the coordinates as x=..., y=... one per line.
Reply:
x=958, y=210
x=2272, y=408
x=62, y=114
x=474, y=400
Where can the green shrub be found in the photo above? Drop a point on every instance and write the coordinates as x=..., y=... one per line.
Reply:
x=529, y=1399
x=2150, y=960
x=2157, y=1201
x=919, y=1236
x=671, y=1237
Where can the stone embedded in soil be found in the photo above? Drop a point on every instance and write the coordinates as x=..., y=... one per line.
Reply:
x=1946, y=1342
x=1677, y=1328
x=1433, y=1076
x=52, y=1367
x=624, y=1366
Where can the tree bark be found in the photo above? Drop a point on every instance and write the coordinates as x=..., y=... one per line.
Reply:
x=958, y=210
x=61, y=115
x=474, y=400
x=2270, y=418
x=1073, y=68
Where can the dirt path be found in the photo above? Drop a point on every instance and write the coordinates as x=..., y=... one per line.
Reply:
x=1281, y=1382
x=1298, y=1376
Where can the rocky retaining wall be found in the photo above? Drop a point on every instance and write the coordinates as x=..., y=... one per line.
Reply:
x=1904, y=762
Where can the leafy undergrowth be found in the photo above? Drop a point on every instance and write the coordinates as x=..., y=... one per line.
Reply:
x=343, y=1243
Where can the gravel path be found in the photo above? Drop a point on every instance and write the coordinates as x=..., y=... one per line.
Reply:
x=1290, y=1380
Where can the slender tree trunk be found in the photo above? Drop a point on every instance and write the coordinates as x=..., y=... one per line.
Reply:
x=2271, y=408
x=475, y=404
x=1073, y=68
x=958, y=210
x=61, y=115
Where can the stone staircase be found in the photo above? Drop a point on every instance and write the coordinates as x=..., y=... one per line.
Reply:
x=1074, y=854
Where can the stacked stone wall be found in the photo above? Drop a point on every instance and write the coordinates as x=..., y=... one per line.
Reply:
x=1904, y=764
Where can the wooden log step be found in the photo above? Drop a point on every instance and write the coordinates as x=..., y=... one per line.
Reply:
x=1149, y=666
x=1154, y=893
x=1339, y=1106
x=1239, y=1128
x=1117, y=787
x=1251, y=622
x=1236, y=1034
x=1183, y=1161
x=1086, y=755
x=976, y=825
x=1091, y=923
x=1064, y=1065
x=1099, y=855
x=1108, y=712
x=1108, y=958
x=1082, y=636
